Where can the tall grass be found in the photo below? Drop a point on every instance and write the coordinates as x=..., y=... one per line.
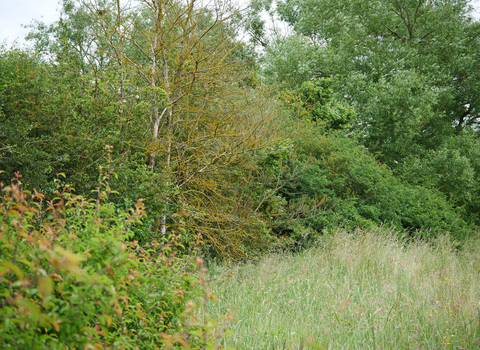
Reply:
x=362, y=291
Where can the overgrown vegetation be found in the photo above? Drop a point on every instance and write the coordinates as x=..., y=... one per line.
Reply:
x=70, y=277
x=258, y=151
x=229, y=138
x=360, y=290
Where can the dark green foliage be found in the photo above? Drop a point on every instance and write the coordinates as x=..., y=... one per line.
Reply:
x=453, y=168
x=55, y=121
x=46, y=123
x=361, y=192
x=26, y=128
x=316, y=102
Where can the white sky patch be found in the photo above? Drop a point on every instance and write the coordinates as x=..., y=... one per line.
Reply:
x=15, y=13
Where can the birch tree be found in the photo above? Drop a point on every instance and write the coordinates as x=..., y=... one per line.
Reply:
x=199, y=119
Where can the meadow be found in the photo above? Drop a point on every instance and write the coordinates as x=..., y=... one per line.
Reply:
x=354, y=291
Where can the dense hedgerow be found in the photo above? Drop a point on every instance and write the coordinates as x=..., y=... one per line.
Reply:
x=71, y=279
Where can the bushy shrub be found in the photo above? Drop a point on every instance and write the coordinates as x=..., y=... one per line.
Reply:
x=360, y=192
x=453, y=169
x=71, y=279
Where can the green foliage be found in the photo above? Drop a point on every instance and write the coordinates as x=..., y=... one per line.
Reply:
x=278, y=169
x=53, y=121
x=408, y=68
x=408, y=71
x=70, y=277
x=315, y=102
x=401, y=107
x=290, y=60
x=453, y=168
x=361, y=192
x=26, y=127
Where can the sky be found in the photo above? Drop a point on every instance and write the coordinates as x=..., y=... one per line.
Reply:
x=15, y=13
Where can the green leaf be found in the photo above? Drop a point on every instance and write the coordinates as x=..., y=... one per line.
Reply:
x=30, y=306
x=12, y=267
x=45, y=286
x=316, y=346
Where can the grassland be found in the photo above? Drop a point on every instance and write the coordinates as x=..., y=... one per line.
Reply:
x=363, y=291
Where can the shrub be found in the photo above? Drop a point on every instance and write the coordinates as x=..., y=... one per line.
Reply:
x=70, y=278
x=360, y=192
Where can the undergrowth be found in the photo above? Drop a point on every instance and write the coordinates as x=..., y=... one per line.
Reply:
x=71, y=277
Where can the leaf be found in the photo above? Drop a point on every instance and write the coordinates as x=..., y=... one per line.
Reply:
x=68, y=261
x=316, y=346
x=57, y=277
x=45, y=286
x=118, y=312
x=12, y=267
x=55, y=323
x=108, y=319
x=30, y=306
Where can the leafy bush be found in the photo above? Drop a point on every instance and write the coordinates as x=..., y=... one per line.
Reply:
x=453, y=169
x=70, y=278
x=361, y=192
x=314, y=100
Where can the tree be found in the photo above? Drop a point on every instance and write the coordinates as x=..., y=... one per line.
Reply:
x=410, y=71
x=48, y=116
x=407, y=67
x=182, y=53
x=176, y=77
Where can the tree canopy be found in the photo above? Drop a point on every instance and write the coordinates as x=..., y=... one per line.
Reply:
x=361, y=113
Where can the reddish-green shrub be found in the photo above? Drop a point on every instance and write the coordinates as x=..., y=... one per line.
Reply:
x=71, y=279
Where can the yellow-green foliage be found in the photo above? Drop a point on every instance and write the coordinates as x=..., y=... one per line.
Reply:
x=71, y=279
x=362, y=291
